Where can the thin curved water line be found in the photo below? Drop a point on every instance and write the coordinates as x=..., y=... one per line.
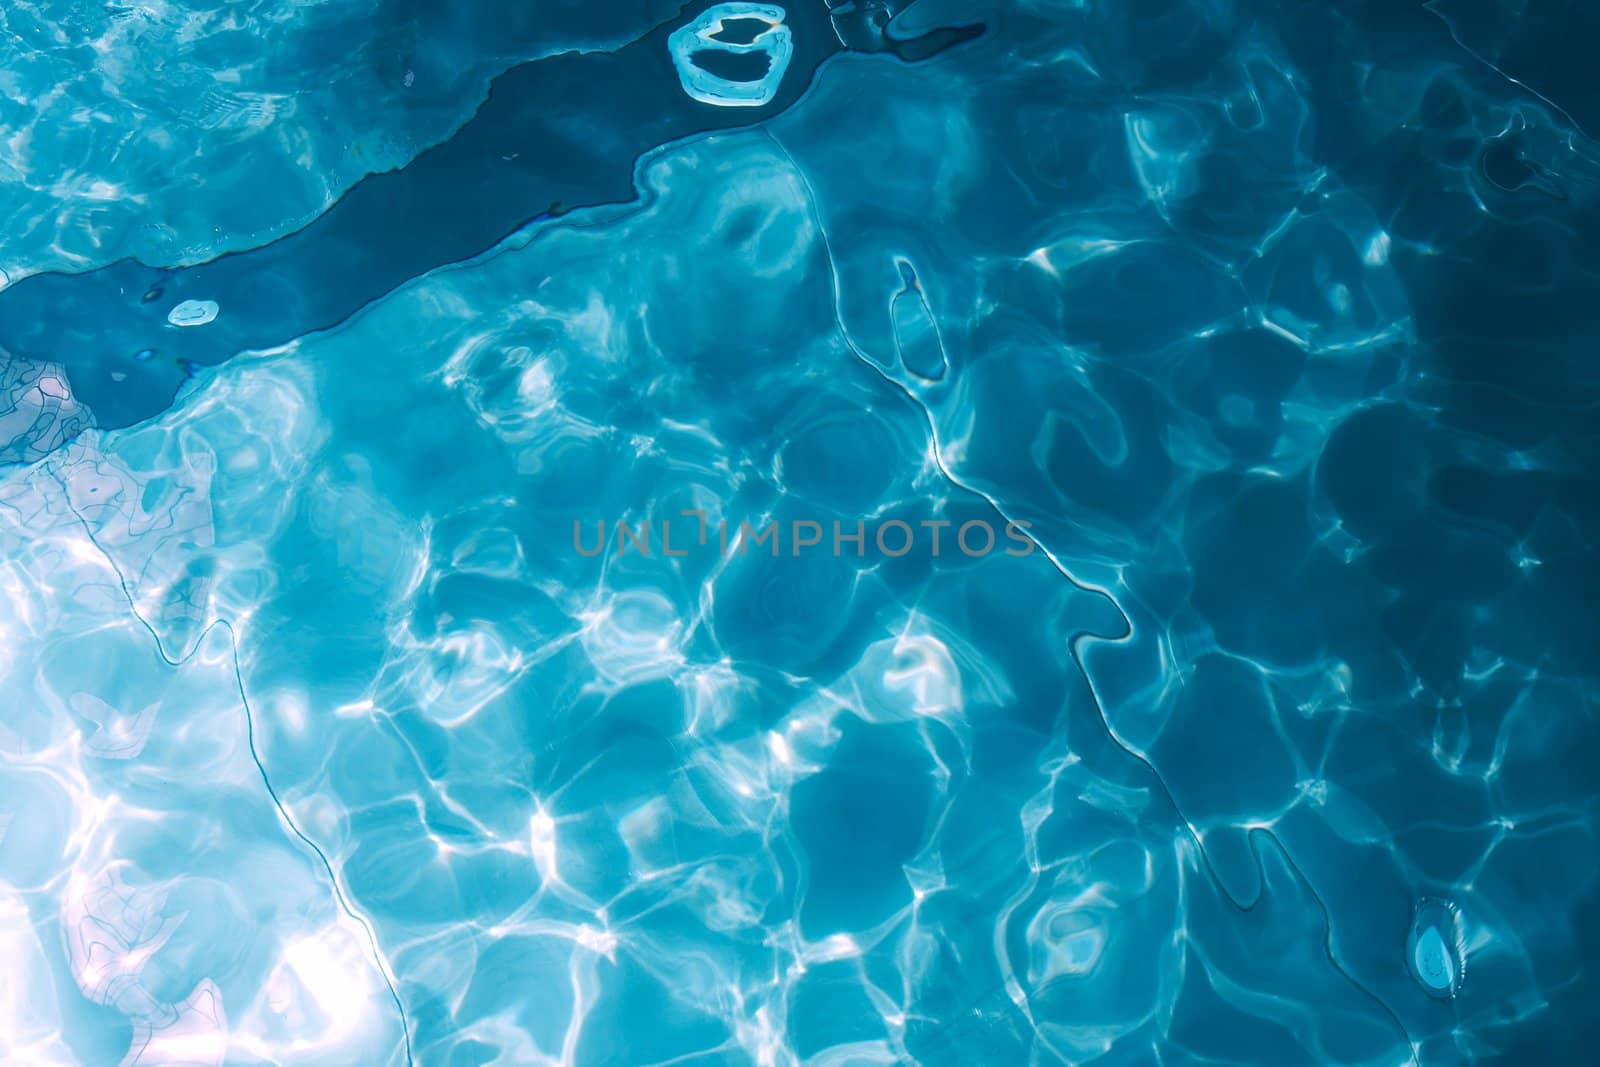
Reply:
x=1078, y=641
x=340, y=896
x=1431, y=9
x=1252, y=835
x=1074, y=644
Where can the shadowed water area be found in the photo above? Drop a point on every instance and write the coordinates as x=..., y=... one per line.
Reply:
x=555, y=134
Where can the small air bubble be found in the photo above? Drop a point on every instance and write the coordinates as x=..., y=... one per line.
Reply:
x=1436, y=948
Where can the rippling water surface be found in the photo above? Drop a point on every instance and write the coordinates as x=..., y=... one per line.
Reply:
x=1171, y=428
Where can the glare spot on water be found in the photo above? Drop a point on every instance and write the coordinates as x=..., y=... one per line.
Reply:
x=1377, y=250
x=633, y=635
x=542, y=838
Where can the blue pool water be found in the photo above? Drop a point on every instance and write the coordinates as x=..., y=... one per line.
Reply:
x=1170, y=430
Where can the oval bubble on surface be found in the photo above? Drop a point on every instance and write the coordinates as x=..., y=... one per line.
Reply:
x=193, y=313
x=1435, y=948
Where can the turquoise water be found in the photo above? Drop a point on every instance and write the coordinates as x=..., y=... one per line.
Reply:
x=1170, y=430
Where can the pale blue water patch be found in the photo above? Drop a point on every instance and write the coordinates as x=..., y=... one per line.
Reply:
x=176, y=130
x=518, y=158
x=1254, y=337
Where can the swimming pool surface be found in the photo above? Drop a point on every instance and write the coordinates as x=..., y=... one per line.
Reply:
x=945, y=532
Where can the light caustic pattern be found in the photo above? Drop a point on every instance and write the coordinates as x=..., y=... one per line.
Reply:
x=176, y=130
x=323, y=744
